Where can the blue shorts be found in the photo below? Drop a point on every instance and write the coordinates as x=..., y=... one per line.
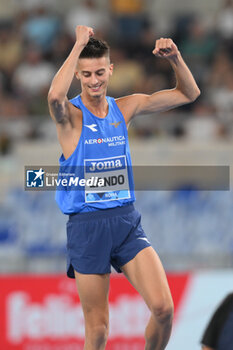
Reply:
x=96, y=240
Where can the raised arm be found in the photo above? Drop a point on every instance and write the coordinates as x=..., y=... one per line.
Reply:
x=185, y=91
x=57, y=97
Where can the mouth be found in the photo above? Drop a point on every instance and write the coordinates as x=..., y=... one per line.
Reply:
x=95, y=88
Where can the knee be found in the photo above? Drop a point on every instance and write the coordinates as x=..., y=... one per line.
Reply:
x=97, y=335
x=163, y=311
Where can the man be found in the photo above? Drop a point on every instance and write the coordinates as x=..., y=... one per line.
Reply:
x=103, y=225
x=218, y=334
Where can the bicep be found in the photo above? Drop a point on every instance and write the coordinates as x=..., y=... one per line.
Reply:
x=160, y=101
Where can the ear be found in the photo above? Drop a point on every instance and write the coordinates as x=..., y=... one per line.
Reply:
x=77, y=74
x=111, y=66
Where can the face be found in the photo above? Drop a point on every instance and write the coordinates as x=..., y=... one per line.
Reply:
x=94, y=74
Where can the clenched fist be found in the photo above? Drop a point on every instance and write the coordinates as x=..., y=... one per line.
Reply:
x=83, y=34
x=165, y=47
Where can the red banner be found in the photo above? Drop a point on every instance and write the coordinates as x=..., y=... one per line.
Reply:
x=44, y=313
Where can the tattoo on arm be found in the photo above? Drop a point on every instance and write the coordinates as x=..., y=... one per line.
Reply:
x=59, y=111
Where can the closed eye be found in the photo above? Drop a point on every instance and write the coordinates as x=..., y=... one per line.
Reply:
x=100, y=71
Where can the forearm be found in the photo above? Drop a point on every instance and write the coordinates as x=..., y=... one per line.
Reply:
x=63, y=78
x=185, y=81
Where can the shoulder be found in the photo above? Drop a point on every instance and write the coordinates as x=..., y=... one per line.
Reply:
x=73, y=118
x=128, y=105
x=75, y=114
x=75, y=111
x=68, y=133
x=75, y=101
x=227, y=302
x=125, y=100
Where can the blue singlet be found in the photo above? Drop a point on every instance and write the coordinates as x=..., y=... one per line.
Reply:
x=98, y=174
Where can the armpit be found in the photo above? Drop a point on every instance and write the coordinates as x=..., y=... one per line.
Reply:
x=60, y=111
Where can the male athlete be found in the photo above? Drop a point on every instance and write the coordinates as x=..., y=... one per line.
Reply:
x=104, y=228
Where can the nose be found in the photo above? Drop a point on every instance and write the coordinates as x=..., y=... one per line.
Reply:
x=94, y=79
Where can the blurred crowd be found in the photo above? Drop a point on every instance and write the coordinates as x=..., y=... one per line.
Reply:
x=36, y=40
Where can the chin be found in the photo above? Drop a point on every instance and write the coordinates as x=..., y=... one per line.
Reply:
x=97, y=94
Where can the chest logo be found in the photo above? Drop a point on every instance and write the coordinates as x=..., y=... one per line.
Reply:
x=92, y=127
x=116, y=124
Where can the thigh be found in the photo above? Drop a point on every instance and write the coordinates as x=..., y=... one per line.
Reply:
x=93, y=292
x=146, y=273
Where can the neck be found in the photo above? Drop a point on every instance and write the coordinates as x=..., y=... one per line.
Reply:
x=96, y=105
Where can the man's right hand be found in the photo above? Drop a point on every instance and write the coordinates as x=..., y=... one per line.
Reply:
x=83, y=34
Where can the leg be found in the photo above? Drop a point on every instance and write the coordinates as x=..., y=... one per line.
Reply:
x=93, y=293
x=147, y=275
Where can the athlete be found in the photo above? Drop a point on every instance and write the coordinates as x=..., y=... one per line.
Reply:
x=104, y=228
x=218, y=333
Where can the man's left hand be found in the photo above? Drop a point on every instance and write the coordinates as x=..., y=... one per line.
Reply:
x=165, y=48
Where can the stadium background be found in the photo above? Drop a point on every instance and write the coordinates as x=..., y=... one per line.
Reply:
x=191, y=230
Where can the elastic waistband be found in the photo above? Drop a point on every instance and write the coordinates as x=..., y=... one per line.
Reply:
x=102, y=213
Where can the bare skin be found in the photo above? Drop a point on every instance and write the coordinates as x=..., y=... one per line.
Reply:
x=206, y=348
x=146, y=274
x=145, y=271
x=93, y=293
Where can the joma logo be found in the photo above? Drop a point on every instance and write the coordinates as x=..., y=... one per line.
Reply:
x=109, y=164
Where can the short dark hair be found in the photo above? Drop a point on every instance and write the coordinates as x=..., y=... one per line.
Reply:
x=95, y=48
